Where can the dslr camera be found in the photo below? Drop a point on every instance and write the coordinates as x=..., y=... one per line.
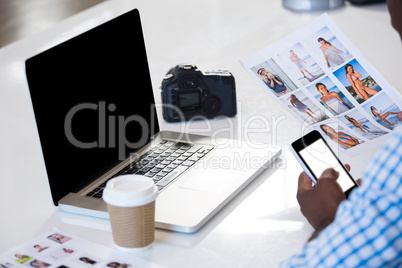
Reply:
x=189, y=93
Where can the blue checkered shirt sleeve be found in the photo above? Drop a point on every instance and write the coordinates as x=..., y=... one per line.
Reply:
x=367, y=230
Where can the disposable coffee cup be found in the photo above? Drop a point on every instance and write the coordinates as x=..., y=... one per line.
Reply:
x=130, y=202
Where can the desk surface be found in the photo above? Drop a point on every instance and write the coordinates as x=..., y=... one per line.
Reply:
x=262, y=225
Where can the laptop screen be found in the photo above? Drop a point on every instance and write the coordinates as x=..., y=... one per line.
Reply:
x=93, y=101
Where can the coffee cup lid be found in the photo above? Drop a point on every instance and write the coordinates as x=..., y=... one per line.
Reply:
x=130, y=191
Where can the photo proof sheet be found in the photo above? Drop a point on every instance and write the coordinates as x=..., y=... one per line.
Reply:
x=58, y=249
x=323, y=79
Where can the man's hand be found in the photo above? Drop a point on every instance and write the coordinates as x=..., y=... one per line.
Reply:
x=319, y=203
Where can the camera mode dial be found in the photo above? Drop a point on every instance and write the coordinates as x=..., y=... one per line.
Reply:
x=168, y=77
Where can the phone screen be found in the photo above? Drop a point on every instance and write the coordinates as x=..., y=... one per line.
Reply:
x=317, y=156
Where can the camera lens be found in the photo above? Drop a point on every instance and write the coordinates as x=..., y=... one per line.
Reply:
x=212, y=106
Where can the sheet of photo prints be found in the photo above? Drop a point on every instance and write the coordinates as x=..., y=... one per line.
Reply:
x=318, y=75
x=58, y=249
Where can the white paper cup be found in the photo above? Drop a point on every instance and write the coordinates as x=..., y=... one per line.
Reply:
x=130, y=201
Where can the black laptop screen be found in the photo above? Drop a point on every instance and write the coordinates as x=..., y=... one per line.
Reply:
x=93, y=101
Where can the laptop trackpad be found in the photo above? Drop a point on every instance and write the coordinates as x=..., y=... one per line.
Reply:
x=211, y=180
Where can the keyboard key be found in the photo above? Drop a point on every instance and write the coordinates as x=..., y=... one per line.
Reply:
x=188, y=163
x=141, y=172
x=157, y=178
x=194, y=149
x=161, y=166
x=150, y=174
x=98, y=195
x=170, y=143
x=167, y=169
x=182, y=158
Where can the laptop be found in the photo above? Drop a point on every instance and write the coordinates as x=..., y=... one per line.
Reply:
x=96, y=117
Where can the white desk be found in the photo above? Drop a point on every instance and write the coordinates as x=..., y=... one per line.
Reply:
x=262, y=225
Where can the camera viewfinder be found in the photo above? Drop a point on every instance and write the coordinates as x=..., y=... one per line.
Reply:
x=190, y=83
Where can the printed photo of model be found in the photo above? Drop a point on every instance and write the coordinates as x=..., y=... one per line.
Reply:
x=304, y=108
x=330, y=96
x=300, y=64
x=359, y=123
x=340, y=136
x=274, y=78
x=357, y=81
x=384, y=111
x=273, y=81
x=334, y=53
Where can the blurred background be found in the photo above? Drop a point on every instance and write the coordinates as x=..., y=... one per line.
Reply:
x=21, y=18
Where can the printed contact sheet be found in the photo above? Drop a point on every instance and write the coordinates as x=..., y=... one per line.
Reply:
x=323, y=80
x=61, y=250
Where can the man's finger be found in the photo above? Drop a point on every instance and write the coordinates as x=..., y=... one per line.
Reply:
x=305, y=183
x=329, y=173
x=347, y=167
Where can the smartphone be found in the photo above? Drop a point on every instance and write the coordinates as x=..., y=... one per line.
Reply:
x=314, y=155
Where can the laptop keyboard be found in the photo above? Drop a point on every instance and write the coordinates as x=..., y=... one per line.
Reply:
x=163, y=163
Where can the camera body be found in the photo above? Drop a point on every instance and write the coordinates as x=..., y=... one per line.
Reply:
x=189, y=93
